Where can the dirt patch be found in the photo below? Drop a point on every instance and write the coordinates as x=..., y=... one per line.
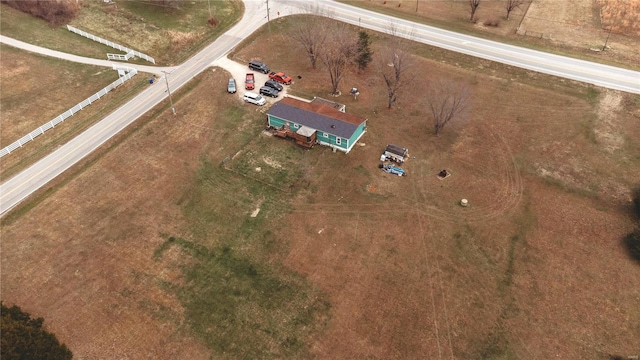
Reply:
x=271, y=163
x=607, y=130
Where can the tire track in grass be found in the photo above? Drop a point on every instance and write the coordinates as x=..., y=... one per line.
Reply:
x=430, y=282
x=507, y=199
x=436, y=271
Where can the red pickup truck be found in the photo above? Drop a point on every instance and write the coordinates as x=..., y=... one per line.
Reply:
x=249, y=82
x=280, y=77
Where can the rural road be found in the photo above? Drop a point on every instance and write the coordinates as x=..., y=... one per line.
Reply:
x=16, y=189
x=569, y=68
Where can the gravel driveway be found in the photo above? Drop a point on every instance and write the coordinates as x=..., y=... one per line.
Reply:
x=239, y=71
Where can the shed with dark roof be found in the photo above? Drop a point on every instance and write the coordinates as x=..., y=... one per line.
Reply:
x=334, y=128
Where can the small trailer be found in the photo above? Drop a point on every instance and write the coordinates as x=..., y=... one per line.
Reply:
x=395, y=153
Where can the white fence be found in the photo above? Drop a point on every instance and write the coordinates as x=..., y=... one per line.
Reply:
x=62, y=117
x=130, y=52
x=121, y=57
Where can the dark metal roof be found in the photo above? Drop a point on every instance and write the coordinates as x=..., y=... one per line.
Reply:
x=317, y=116
x=396, y=149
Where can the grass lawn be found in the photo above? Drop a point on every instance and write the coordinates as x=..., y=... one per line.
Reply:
x=198, y=234
x=36, y=89
x=169, y=35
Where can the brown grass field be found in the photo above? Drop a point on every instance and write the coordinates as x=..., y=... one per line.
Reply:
x=118, y=257
x=53, y=86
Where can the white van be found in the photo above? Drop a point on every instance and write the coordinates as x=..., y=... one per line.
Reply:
x=254, y=98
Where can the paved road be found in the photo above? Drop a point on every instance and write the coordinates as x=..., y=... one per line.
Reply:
x=16, y=189
x=570, y=68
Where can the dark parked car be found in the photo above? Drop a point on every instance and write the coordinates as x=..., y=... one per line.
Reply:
x=258, y=66
x=269, y=91
x=273, y=84
x=231, y=87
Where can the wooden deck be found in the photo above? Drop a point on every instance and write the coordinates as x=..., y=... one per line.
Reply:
x=305, y=141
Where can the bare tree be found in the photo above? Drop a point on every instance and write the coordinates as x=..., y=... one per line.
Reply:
x=474, y=7
x=339, y=51
x=310, y=33
x=394, y=64
x=511, y=5
x=447, y=101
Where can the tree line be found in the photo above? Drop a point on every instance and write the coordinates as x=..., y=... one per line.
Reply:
x=54, y=12
x=332, y=44
x=23, y=338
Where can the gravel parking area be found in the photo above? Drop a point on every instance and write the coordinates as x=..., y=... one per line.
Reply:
x=239, y=70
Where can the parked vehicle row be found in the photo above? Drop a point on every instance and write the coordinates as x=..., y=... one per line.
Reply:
x=272, y=87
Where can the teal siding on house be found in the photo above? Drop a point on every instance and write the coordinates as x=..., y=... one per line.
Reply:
x=330, y=139
x=357, y=135
x=276, y=122
x=326, y=121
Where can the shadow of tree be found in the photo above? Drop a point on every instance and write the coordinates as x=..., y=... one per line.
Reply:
x=636, y=203
x=632, y=244
x=632, y=241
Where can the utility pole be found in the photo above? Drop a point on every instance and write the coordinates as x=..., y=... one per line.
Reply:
x=614, y=20
x=166, y=80
x=268, y=17
x=607, y=40
x=209, y=8
x=416, y=5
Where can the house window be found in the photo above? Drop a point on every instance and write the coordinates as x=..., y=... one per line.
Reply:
x=325, y=135
x=338, y=140
x=295, y=126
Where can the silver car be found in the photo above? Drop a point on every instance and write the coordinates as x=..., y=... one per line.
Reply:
x=231, y=87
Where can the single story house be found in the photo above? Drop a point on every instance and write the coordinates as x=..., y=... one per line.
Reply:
x=319, y=121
